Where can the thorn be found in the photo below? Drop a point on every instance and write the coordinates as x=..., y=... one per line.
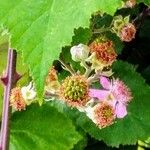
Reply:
x=17, y=76
x=4, y=78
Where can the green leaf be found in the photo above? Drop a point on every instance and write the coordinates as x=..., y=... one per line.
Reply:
x=81, y=36
x=118, y=44
x=83, y=142
x=42, y=128
x=40, y=28
x=145, y=29
x=146, y=74
x=98, y=21
x=4, y=37
x=147, y=2
x=126, y=131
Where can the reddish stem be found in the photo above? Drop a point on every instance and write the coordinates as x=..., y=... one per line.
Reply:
x=10, y=72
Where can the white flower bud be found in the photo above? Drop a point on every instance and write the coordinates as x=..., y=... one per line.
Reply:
x=79, y=52
x=28, y=92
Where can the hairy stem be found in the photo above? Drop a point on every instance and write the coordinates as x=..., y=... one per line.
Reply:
x=10, y=72
x=88, y=69
x=67, y=67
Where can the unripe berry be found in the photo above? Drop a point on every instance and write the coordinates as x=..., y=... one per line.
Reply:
x=127, y=32
x=74, y=90
x=103, y=53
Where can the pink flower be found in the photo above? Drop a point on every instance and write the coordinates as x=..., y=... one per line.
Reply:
x=115, y=92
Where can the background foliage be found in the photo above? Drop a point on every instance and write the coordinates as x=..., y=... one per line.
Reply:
x=38, y=30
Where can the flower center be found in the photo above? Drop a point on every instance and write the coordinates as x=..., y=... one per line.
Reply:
x=28, y=93
x=75, y=88
x=104, y=114
x=107, y=112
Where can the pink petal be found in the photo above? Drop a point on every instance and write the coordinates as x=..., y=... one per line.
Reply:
x=105, y=82
x=121, y=110
x=112, y=102
x=100, y=94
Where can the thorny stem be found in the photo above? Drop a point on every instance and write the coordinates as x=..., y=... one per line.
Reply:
x=67, y=67
x=10, y=72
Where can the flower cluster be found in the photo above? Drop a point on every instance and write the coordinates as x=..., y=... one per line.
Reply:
x=21, y=97
x=103, y=106
x=123, y=28
x=115, y=93
x=100, y=54
x=103, y=53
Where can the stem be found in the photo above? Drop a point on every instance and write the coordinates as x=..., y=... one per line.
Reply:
x=93, y=78
x=88, y=69
x=67, y=67
x=50, y=95
x=96, y=76
x=10, y=72
x=101, y=30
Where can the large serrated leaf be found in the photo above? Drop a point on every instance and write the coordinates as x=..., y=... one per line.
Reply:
x=40, y=28
x=126, y=131
x=42, y=128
